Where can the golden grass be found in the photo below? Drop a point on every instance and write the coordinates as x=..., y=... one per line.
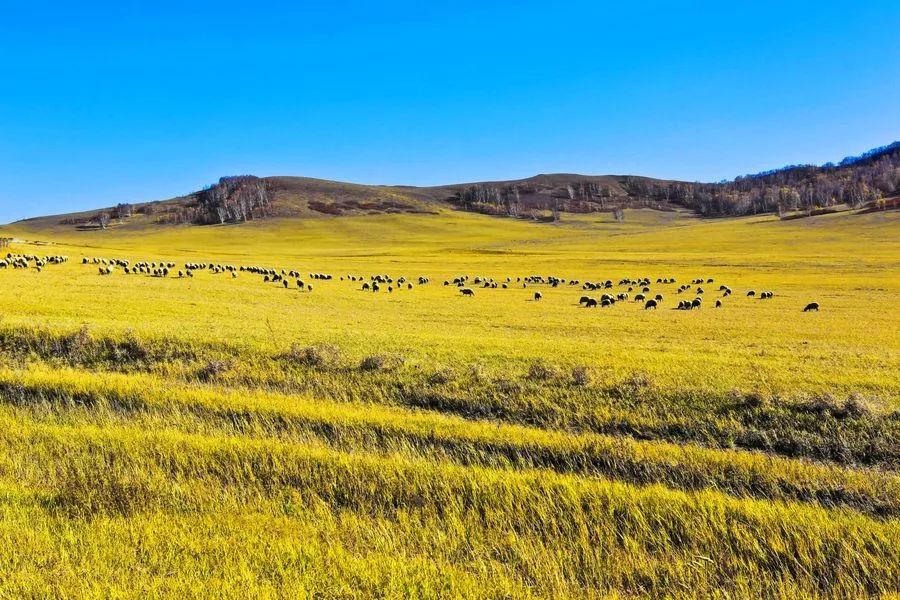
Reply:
x=160, y=436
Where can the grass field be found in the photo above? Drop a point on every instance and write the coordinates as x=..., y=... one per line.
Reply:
x=222, y=437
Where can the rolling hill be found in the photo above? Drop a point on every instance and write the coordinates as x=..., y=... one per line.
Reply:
x=870, y=181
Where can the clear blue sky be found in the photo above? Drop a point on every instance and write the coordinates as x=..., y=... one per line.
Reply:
x=102, y=102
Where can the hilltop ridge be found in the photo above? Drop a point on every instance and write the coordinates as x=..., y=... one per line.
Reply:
x=869, y=181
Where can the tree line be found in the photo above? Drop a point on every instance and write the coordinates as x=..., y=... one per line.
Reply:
x=234, y=199
x=855, y=181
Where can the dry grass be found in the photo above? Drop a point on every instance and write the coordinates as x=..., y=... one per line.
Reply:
x=221, y=437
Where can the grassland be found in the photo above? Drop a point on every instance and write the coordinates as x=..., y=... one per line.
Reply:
x=219, y=437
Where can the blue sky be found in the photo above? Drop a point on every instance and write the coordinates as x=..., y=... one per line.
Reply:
x=125, y=101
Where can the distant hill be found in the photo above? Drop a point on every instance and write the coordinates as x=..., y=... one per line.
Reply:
x=868, y=180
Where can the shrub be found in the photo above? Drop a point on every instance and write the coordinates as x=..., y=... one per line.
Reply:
x=442, y=376
x=322, y=356
x=213, y=370
x=752, y=400
x=637, y=383
x=476, y=372
x=541, y=371
x=857, y=406
x=581, y=375
x=130, y=350
x=381, y=362
x=508, y=386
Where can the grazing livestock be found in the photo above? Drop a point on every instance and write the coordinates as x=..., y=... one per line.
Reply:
x=538, y=296
x=718, y=304
x=467, y=292
x=696, y=303
x=591, y=303
x=650, y=304
x=751, y=293
x=812, y=306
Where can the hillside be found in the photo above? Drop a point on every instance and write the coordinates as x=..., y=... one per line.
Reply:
x=341, y=441
x=870, y=181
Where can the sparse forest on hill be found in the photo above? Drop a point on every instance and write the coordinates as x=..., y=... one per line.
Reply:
x=870, y=181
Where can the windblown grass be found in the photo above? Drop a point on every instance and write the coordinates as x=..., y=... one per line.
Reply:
x=222, y=437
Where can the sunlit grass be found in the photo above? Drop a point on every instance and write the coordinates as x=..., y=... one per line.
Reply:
x=173, y=437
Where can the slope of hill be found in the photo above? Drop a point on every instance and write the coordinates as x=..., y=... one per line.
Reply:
x=221, y=430
x=856, y=182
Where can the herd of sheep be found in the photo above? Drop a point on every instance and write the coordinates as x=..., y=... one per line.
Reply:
x=610, y=293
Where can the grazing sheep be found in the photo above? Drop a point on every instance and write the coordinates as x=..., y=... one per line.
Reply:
x=467, y=292
x=812, y=306
x=650, y=304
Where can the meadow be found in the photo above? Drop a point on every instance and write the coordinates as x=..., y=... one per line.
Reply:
x=220, y=436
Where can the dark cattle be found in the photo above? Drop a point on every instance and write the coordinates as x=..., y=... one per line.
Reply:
x=659, y=297
x=650, y=304
x=591, y=303
x=812, y=306
x=467, y=292
x=538, y=296
x=718, y=304
x=696, y=303
x=639, y=298
x=751, y=293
